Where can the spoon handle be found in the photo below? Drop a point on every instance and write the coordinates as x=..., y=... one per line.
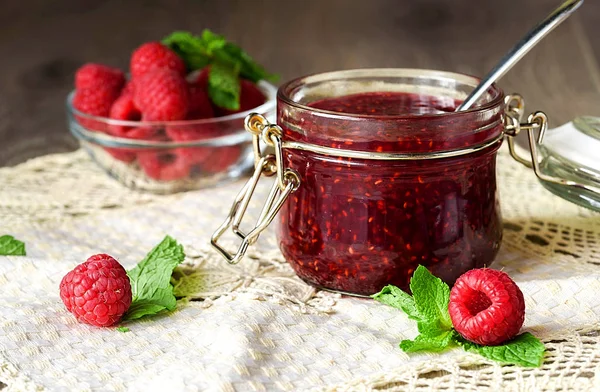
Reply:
x=521, y=49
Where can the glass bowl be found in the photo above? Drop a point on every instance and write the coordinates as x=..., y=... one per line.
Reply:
x=173, y=156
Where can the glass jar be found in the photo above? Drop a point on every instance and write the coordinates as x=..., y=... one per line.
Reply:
x=423, y=190
x=376, y=173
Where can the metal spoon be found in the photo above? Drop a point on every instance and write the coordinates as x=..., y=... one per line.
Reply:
x=521, y=49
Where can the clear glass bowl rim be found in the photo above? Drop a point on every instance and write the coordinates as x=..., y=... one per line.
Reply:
x=118, y=142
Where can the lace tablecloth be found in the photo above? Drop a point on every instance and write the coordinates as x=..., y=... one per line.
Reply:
x=257, y=326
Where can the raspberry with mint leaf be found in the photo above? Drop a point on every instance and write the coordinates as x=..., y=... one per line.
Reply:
x=100, y=292
x=486, y=307
x=97, y=292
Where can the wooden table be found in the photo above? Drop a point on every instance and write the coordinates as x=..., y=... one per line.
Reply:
x=44, y=42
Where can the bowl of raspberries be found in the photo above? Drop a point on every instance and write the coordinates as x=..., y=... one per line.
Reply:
x=175, y=120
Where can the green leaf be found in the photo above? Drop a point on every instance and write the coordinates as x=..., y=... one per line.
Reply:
x=431, y=297
x=224, y=86
x=150, y=280
x=435, y=343
x=9, y=246
x=209, y=48
x=524, y=350
x=190, y=48
x=123, y=329
x=397, y=298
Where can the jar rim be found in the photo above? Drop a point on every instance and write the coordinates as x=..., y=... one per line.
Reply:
x=284, y=92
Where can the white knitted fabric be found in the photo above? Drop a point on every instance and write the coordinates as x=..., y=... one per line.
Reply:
x=257, y=326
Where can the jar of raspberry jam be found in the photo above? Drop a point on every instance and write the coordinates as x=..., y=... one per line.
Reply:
x=377, y=173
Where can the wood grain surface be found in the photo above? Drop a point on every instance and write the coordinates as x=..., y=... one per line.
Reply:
x=43, y=42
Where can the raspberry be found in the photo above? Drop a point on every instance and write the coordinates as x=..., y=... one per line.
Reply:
x=161, y=95
x=250, y=98
x=95, y=101
x=124, y=109
x=163, y=166
x=200, y=106
x=153, y=55
x=221, y=159
x=97, y=291
x=486, y=307
x=187, y=133
x=93, y=75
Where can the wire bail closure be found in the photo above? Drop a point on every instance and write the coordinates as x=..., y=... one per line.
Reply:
x=514, y=111
x=268, y=164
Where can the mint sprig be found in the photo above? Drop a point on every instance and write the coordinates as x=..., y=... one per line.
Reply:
x=150, y=280
x=230, y=61
x=9, y=246
x=428, y=306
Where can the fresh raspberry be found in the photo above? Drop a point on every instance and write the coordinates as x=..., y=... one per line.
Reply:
x=128, y=155
x=153, y=55
x=162, y=95
x=250, y=98
x=163, y=166
x=221, y=159
x=93, y=75
x=95, y=101
x=124, y=109
x=486, y=307
x=200, y=106
x=193, y=132
x=97, y=292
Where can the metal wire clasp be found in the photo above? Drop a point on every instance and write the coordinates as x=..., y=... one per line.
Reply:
x=268, y=164
x=514, y=110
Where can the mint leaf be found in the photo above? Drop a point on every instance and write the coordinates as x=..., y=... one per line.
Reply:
x=224, y=86
x=524, y=350
x=431, y=297
x=435, y=343
x=151, y=287
x=190, y=48
x=9, y=246
x=397, y=298
x=123, y=329
x=200, y=51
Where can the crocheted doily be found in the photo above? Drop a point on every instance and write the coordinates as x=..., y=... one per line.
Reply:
x=256, y=326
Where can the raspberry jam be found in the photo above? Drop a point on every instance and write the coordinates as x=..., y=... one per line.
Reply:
x=355, y=225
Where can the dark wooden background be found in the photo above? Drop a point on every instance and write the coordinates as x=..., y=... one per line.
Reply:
x=42, y=43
